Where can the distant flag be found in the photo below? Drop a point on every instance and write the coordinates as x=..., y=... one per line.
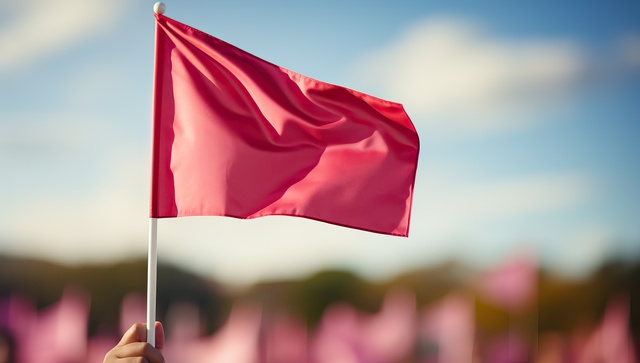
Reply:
x=511, y=285
x=612, y=341
x=237, y=136
x=284, y=339
x=237, y=341
x=98, y=346
x=389, y=335
x=447, y=330
x=347, y=335
x=60, y=332
x=132, y=310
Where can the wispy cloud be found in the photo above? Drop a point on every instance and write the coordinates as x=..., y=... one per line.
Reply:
x=95, y=223
x=458, y=208
x=453, y=69
x=46, y=135
x=36, y=29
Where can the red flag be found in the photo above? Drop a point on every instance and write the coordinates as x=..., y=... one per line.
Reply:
x=237, y=136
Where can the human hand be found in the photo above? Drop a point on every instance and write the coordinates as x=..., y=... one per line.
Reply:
x=134, y=346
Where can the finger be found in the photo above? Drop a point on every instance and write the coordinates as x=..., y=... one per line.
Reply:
x=159, y=335
x=131, y=360
x=139, y=349
x=136, y=333
x=117, y=356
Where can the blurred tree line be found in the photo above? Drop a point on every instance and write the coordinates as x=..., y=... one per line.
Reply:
x=560, y=304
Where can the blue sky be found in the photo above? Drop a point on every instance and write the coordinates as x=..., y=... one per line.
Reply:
x=527, y=113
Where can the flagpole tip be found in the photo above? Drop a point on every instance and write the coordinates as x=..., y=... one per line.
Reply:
x=159, y=8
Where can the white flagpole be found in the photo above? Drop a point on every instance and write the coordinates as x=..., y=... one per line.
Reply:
x=152, y=254
x=152, y=280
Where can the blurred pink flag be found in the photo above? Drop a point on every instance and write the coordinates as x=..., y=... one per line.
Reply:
x=236, y=342
x=511, y=285
x=133, y=309
x=346, y=335
x=389, y=335
x=18, y=316
x=612, y=341
x=448, y=328
x=60, y=333
x=98, y=346
x=285, y=340
x=336, y=339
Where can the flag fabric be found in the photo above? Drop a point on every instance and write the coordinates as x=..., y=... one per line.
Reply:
x=237, y=136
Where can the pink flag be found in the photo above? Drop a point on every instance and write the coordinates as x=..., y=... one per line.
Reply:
x=511, y=285
x=612, y=341
x=237, y=341
x=448, y=329
x=60, y=333
x=237, y=136
x=284, y=339
x=347, y=335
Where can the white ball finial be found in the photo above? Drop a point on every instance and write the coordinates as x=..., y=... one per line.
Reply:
x=159, y=8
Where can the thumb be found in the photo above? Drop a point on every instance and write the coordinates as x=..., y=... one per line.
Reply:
x=136, y=333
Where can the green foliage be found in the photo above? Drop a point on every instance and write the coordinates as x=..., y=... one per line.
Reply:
x=313, y=295
x=107, y=285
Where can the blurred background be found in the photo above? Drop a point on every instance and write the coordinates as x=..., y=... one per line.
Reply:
x=525, y=232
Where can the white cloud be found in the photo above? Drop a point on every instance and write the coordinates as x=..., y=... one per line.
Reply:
x=453, y=69
x=37, y=28
x=99, y=224
x=475, y=220
x=43, y=134
x=455, y=206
